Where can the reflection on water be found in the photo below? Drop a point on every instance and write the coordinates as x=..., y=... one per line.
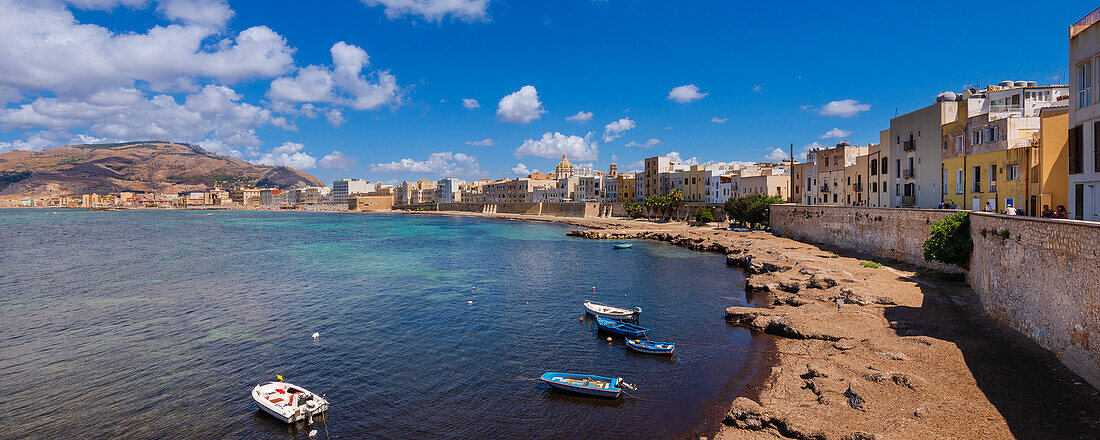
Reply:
x=151, y=324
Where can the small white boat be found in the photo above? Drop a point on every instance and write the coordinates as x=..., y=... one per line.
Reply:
x=610, y=312
x=288, y=402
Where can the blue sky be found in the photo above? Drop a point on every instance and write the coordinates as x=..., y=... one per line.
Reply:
x=236, y=77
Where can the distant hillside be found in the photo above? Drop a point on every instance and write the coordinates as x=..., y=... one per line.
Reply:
x=152, y=166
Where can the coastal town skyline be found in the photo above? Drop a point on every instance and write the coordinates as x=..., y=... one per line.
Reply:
x=352, y=100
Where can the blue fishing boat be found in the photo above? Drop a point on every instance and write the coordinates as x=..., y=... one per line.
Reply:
x=621, y=328
x=624, y=246
x=587, y=384
x=651, y=347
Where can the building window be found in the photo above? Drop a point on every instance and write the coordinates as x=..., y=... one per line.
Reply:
x=1076, y=150
x=874, y=167
x=959, y=143
x=1011, y=172
x=960, y=178
x=884, y=167
x=993, y=178
x=977, y=179
x=1084, y=84
x=1096, y=147
x=945, y=181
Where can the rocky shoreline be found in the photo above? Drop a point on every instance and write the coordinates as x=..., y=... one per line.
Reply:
x=877, y=352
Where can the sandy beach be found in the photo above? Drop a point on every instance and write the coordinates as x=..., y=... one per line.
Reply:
x=916, y=350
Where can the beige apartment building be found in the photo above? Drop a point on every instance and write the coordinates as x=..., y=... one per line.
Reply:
x=767, y=184
x=831, y=178
x=878, y=166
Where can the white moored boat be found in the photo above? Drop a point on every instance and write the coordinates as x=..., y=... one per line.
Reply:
x=288, y=402
x=609, y=312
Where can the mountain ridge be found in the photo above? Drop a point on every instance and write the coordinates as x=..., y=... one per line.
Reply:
x=138, y=166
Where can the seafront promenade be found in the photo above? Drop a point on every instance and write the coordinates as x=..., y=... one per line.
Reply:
x=914, y=346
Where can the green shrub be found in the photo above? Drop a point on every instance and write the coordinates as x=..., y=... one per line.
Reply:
x=870, y=264
x=703, y=215
x=752, y=209
x=950, y=242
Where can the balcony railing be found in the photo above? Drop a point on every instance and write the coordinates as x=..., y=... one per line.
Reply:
x=825, y=188
x=857, y=187
x=908, y=145
x=908, y=201
x=908, y=174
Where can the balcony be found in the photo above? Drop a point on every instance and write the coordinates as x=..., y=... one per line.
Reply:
x=857, y=187
x=908, y=174
x=909, y=146
x=908, y=201
x=825, y=188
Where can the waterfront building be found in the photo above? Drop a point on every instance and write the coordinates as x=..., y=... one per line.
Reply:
x=342, y=188
x=988, y=156
x=767, y=184
x=654, y=168
x=855, y=178
x=878, y=166
x=626, y=186
x=1049, y=170
x=449, y=190
x=831, y=177
x=564, y=169
x=1083, y=190
x=915, y=149
x=364, y=202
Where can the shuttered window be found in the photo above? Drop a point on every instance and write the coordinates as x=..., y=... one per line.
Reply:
x=1075, y=146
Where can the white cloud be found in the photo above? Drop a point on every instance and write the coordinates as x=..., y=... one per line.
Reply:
x=44, y=47
x=553, y=145
x=335, y=117
x=470, y=103
x=758, y=88
x=776, y=155
x=675, y=157
x=844, y=108
x=288, y=154
x=616, y=129
x=445, y=163
x=582, y=117
x=835, y=133
x=215, y=13
x=648, y=144
x=521, y=169
x=520, y=107
x=482, y=143
x=36, y=142
x=685, y=93
x=718, y=120
x=336, y=161
x=434, y=10
x=343, y=84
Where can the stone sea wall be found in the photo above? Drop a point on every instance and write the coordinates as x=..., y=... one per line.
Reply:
x=1042, y=277
x=1039, y=276
x=884, y=232
x=569, y=209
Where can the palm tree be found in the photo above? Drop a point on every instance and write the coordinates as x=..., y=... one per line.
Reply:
x=675, y=199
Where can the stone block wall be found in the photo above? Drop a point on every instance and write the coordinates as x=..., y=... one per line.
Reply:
x=1039, y=276
x=1042, y=277
x=884, y=232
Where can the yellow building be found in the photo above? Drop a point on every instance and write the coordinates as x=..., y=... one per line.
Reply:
x=1048, y=176
x=626, y=187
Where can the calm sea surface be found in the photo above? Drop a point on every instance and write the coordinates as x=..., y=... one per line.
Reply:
x=157, y=324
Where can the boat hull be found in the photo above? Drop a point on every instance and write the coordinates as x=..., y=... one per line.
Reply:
x=649, y=347
x=609, y=312
x=557, y=381
x=624, y=246
x=285, y=413
x=621, y=328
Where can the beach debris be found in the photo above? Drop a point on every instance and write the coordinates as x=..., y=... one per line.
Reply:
x=469, y=302
x=316, y=335
x=475, y=289
x=582, y=319
x=608, y=339
x=854, y=400
x=313, y=433
x=593, y=288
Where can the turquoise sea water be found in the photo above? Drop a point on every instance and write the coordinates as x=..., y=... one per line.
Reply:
x=157, y=324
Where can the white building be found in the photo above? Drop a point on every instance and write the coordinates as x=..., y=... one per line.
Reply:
x=344, y=187
x=1084, y=115
x=449, y=190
